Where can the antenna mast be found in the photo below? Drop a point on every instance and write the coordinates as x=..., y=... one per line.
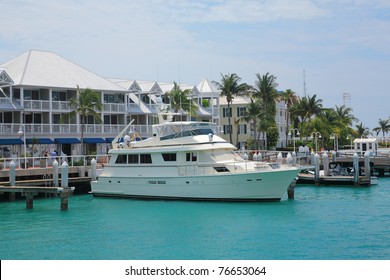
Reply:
x=304, y=83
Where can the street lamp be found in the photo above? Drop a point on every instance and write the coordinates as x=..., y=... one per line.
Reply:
x=334, y=137
x=349, y=136
x=20, y=132
x=292, y=134
x=316, y=135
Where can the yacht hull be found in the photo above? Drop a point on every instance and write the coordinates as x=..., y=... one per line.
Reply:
x=264, y=186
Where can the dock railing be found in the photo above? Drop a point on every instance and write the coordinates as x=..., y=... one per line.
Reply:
x=45, y=162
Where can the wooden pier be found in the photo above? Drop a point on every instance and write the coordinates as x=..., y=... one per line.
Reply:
x=381, y=164
x=29, y=192
x=307, y=178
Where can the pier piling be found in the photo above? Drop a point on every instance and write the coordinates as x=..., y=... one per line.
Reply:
x=64, y=174
x=12, y=179
x=316, y=169
x=55, y=173
x=356, y=169
x=291, y=191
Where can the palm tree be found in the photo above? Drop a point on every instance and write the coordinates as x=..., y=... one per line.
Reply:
x=384, y=126
x=361, y=130
x=179, y=99
x=252, y=114
x=230, y=87
x=308, y=107
x=290, y=98
x=265, y=91
x=86, y=103
x=344, y=114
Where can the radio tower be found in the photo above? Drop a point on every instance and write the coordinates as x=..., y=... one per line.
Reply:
x=347, y=99
x=304, y=83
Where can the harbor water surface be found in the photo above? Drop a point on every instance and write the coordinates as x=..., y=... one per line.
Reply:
x=321, y=223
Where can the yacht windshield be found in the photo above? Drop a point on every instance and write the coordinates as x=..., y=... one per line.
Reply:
x=177, y=130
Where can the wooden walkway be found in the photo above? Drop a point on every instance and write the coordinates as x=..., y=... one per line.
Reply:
x=29, y=192
x=304, y=178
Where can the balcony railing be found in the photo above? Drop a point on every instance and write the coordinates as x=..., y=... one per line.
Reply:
x=114, y=107
x=36, y=105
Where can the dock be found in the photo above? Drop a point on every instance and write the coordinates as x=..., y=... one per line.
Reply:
x=307, y=178
x=29, y=192
x=46, y=180
x=381, y=164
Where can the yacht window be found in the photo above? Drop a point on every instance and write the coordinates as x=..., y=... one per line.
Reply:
x=191, y=157
x=121, y=159
x=169, y=157
x=145, y=158
x=132, y=159
x=221, y=169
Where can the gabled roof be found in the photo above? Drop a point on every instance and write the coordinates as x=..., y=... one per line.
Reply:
x=167, y=87
x=150, y=86
x=47, y=69
x=5, y=79
x=130, y=85
x=205, y=86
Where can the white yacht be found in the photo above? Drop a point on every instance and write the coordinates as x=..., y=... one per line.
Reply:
x=187, y=160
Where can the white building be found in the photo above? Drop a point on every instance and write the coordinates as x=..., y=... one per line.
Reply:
x=35, y=89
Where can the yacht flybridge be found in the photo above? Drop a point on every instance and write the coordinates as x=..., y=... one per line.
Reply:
x=188, y=160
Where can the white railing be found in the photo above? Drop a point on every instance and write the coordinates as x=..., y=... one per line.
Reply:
x=46, y=162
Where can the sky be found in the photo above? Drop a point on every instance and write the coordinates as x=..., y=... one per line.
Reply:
x=324, y=48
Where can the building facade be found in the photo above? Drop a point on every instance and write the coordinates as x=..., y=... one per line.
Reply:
x=241, y=130
x=35, y=91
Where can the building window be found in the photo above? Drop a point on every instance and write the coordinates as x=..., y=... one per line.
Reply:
x=110, y=119
x=169, y=157
x=227, y=112
x=242, y=129
x=59, y=95
x=113, y=98
x=227, y=129
x=241, y=111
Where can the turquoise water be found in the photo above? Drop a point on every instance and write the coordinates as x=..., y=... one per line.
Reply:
x=321, y=223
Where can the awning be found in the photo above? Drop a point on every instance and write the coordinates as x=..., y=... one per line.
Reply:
x=16, y=141
x=109, y=140
x=94, y=140
x=40, y=141
x=67, y=140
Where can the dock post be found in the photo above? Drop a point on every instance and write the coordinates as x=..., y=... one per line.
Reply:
x=12, y=179
x=279, y=157
x=55, y=173
x=367, y=170
x=289, y=158
x=93, y=169
x=64, y=174
x=312, y=157
x=355, y=158
x=290, y=190
x=29, y=200
x=64, y=199
x=325, y=163
x=316, y=169
x=294, y=156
